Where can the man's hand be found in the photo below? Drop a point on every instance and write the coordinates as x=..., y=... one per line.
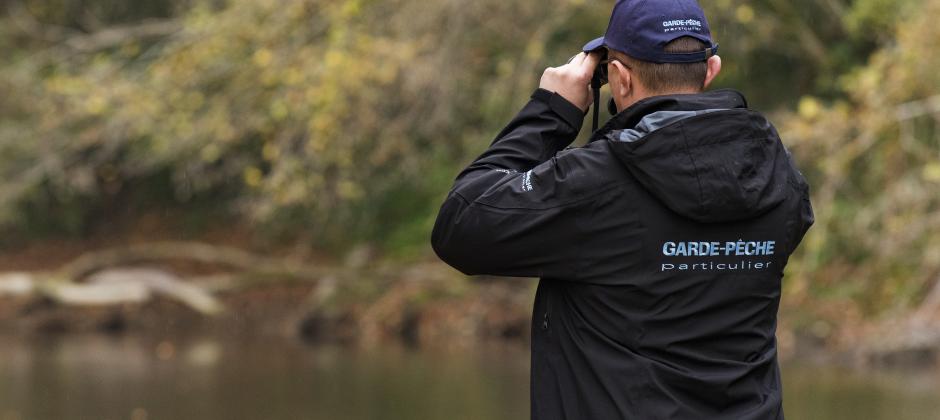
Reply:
x=572, y=81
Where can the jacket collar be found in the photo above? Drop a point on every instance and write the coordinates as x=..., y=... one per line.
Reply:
x=630, y=117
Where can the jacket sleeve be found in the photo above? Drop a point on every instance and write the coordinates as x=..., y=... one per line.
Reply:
x=514, y=211
x=805, y=217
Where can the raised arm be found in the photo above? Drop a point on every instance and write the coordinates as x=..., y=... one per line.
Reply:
x=512, y=211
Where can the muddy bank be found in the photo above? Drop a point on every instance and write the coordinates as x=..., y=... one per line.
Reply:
x=366, y=301
x=425, y=304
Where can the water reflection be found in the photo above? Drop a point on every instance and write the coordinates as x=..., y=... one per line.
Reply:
x=101, y=378
x=136, y=378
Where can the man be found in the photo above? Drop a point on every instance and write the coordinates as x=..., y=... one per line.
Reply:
x=660, y=244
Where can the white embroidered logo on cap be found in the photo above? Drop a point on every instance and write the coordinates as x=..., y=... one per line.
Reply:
x=682, y=25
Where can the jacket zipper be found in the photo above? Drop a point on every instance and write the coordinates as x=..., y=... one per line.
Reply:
x=547, y=314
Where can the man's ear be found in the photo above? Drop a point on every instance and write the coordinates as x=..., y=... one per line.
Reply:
x=625, y=85
x=714, y=67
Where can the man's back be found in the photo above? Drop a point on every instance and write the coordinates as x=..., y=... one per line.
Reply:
x=675, y=313
x=661, y=247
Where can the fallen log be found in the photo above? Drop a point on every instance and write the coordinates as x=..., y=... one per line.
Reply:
x=189, y=251
x=113, y=276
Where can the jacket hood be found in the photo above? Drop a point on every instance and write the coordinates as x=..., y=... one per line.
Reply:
x=705, y=156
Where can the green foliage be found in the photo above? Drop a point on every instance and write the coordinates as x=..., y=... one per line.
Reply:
x=344, y=121
x=328, y=123
x=873, y=159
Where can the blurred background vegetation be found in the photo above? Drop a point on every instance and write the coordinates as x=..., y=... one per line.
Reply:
x=329, y=124
x=294, y=154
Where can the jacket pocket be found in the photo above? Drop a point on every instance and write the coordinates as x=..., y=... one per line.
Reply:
x=548, y=290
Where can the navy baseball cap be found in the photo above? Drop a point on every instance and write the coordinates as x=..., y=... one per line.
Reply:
x=642, y=28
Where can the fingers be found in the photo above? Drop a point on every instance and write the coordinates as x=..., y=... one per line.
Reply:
x=578, y=59
x=591, y=61
x=584, y=60
x=579, y=66
x=571, y=80
x=583, y=64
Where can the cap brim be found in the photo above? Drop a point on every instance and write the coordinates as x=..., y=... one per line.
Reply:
x=594, y=45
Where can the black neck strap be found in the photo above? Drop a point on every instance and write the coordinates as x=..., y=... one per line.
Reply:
x=596, y=87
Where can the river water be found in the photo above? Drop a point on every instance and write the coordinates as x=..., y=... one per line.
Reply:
x=100, y=378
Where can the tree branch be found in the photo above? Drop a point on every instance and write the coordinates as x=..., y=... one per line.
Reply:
x=114, y=36
x=189, y=251
x=107, y=277
x=26, y=22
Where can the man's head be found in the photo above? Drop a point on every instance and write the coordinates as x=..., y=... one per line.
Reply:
x=657, y=47
x=632, y=79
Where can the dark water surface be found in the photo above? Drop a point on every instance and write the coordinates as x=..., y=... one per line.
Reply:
x=101, y=378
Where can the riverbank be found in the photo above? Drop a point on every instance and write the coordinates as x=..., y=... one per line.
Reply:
x=365, y=300
x=68, y=287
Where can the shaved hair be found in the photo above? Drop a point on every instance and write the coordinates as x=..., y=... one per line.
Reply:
x=664, y=78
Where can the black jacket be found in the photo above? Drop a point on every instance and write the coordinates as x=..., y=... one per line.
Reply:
x=660, y=245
